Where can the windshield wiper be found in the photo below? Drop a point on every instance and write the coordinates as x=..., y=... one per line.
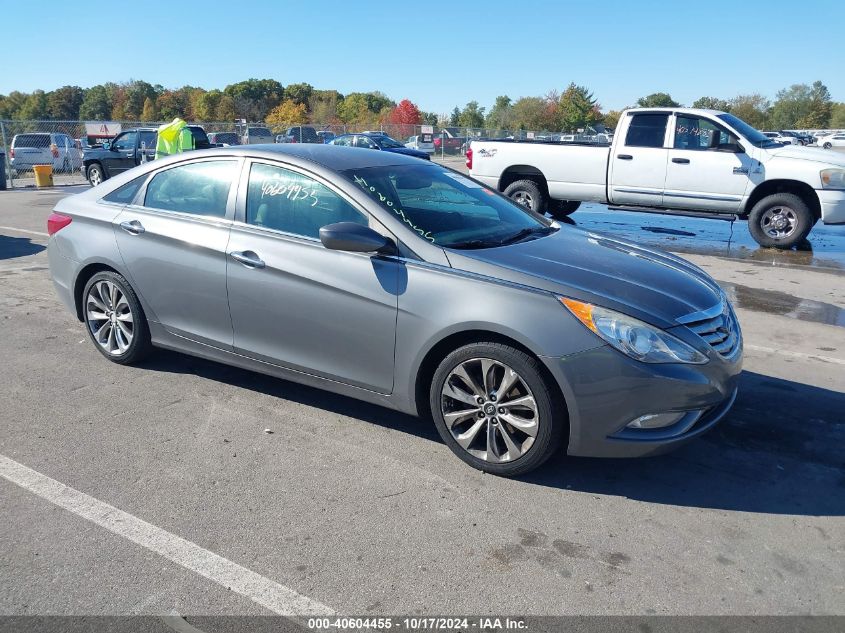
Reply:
x=523, y=233
x=473, y=244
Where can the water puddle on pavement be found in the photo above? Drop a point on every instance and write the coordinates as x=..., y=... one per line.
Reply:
x=823, y=250
x=783, y=304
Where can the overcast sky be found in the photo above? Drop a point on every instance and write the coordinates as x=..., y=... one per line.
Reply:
x=437, y=53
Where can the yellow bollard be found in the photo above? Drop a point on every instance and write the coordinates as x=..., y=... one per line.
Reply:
x=43, y=175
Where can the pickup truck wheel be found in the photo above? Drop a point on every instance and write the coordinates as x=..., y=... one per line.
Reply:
x=528, y=194
x=781, y=220
x=95, y=174
x=559, y=209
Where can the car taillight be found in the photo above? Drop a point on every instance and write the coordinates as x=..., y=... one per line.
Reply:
x=56, y=222
x=12, y=152
x=469, y=158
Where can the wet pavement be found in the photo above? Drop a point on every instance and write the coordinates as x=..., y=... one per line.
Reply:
x=823, y=249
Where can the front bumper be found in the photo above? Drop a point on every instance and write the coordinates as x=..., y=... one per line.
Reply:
x=605, y=390
x=833, y=205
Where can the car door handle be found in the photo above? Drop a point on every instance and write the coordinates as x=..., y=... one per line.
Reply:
x=248, y=258
x=681, y=161
x=133, y=227
x=624, y=157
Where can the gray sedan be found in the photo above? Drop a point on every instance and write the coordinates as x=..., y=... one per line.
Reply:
x=403, y=283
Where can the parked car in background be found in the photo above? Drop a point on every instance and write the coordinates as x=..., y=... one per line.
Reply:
x=299, y=134
x=58, y=150
x=448, y=142
x=380, y=142
x=421, y=142
x=515, y=336
x=777, y=137
x=256, y=134
x=226, y=139
x=834, y=140
x=682, y=161
x=327, y=136
x=799, y=138
x=129, y=149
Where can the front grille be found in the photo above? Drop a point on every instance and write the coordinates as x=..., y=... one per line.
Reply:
x=718, y=327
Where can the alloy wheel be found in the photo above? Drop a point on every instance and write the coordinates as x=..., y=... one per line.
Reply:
x=779, y=222
x=109, y=317
x=489, y=410
x=95, y=177
x=524, y=198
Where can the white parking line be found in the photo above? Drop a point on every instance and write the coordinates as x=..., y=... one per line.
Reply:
x=786, y=352
x=269, y=594
x=12, y=228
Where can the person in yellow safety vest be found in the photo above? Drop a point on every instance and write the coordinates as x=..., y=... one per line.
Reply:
x=173, y=138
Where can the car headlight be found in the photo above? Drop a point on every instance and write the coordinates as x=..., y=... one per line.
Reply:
x=632, y=337
x=833, y=178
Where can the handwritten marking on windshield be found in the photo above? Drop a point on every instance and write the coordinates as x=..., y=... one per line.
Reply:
x=363, y=183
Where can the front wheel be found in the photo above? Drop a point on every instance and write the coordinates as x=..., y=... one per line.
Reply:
x=827, y=145
x=95, y=174
x=527, y=193
x=114, y=319
x=561, y=209
x=493, y=407
x=781, y=220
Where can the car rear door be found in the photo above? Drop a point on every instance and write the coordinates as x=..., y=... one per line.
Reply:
x=295, y=303
x=637, y=170
x=173, y=242
x=706, y=169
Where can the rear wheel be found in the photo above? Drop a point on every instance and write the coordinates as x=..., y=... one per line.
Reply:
x=781, y=220
x=560, y=209
x=114, y=319
x=96, y=174
x=527, y=193
x=494, y=409
x=827, y=145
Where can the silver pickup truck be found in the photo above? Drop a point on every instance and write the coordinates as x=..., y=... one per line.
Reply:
x=681, y=161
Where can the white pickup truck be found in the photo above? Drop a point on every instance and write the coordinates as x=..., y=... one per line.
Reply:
x=680, y=161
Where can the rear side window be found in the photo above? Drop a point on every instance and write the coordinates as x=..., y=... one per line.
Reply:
x=647, y=130
x=126, y=193
x=32, y=140
x=290, y=202
x=195, y=188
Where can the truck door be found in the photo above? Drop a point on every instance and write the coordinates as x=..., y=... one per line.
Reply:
x=708, y=169
x=121, y=154
x=637, y=171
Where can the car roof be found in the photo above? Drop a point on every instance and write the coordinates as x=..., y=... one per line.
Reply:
x=333, y=157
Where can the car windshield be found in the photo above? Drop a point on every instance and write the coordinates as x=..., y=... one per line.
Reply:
x=386, y=141
x=756, y=137
x=447, y=208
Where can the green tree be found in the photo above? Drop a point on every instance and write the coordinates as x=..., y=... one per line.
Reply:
x=530, y=113
x=205, y=108
x=471, y=116
x=299, y=93
x=753, y=109
x=34, y=107
x=353, y=109
x=96, y=105
x=225, y=110
x=64, y=103
x=611, y=119
x=323, y=106
x=657, y=100
x=429, y=118
x=137, y=92
x=837, y=118
x=286, y=113
x=711, y=103
x=254, y=98
x=821, y=108
x=172, y=104
x=500, y=115
x=11, y=104
x=455, y=117
x=577, y=109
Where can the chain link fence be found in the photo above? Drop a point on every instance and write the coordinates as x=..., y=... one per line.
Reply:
x=63, y=144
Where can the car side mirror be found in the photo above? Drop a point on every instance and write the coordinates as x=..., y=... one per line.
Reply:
x=355, y=238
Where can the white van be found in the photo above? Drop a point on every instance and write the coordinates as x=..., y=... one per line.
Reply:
x=422, y=142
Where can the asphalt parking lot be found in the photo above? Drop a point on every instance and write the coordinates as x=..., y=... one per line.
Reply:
x=360, y=510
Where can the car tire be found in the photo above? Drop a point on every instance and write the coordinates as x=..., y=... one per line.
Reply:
x=781, y=220
x=95, y=174
x=560, y=209
x=527, y=193
x=523, y=435
x=827, y=145
x=114, y=319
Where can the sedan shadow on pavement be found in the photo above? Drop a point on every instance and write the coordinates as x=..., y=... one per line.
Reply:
x=11, y=247
x=778, y=451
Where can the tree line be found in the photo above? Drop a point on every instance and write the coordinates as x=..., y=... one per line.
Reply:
x=800, y=106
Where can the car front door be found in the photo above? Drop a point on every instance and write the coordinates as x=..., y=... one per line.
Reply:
x=708, y=169
x=121, y=154
x=173, y=242
x=295, y=303
x=637, y=169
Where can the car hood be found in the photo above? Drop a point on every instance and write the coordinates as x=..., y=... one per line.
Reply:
x=645, y=283
x=814, y=154
x=407, y=151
